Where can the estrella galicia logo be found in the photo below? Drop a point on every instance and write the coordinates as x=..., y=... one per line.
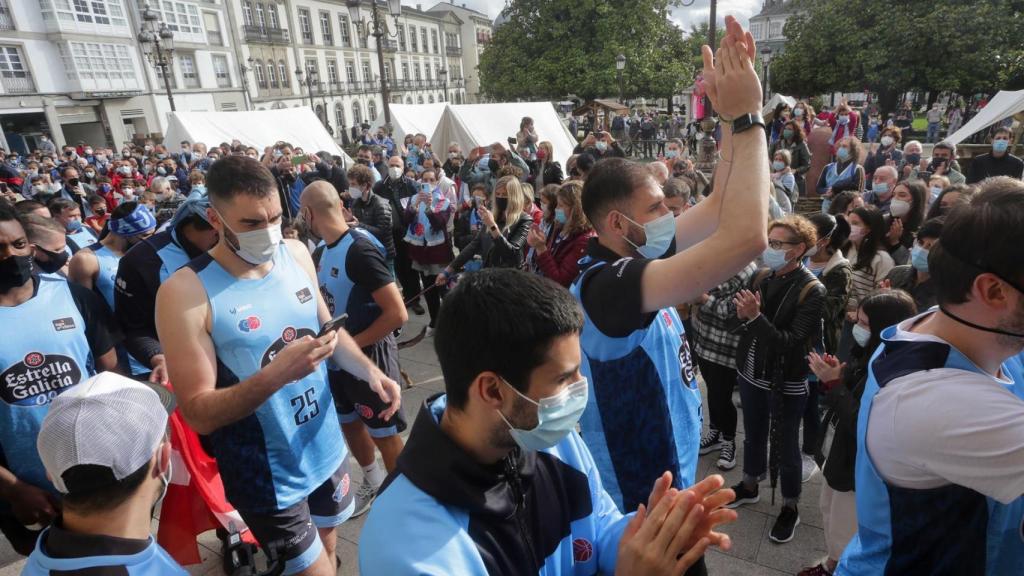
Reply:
x=38, y=379
x=62, y=324
x=328, y=298
x=288, y=335
x=304, y=295
x=249, y=324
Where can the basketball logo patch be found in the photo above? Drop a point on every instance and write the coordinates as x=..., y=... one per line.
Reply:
x=582, y=550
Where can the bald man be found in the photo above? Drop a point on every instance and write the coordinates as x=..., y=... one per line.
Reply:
x=354, y=279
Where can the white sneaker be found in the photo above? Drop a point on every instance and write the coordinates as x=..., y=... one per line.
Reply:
x=808, y=468
x=365, y=496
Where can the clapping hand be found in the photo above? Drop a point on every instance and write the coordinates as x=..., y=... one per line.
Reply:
x=825, y=366
x=536, y=240
x=748, y=305
x=729, y=76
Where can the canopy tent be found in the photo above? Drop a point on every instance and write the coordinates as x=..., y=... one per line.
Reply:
x=412, y=119
x=776, y=99
x=1001, y=106
x=472, y=125
x=259, y=129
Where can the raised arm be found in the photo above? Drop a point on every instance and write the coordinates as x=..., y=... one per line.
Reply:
x=722, y=234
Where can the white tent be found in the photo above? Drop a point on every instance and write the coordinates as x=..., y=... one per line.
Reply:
x=774, y=101
x=473, y=125
x=412, y=119
x=259, y=129
x=1001, y=106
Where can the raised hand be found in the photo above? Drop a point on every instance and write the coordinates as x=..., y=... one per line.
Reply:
x=729, y=76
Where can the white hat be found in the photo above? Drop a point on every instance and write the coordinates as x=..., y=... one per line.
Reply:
x=108, y=420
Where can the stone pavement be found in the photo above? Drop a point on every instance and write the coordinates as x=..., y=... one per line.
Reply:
x=752, y=554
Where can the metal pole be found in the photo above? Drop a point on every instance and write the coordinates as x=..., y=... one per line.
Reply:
x=621, y=92
x=162, y=62
x=379, y=35
x=309, y=87
x=712, y=36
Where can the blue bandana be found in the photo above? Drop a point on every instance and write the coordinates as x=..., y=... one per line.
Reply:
x=190, y=207
x=138, y=222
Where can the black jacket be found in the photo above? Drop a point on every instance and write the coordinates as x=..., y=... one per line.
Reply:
x=786, y=330
x=552, y=175
x=394, y=191
x=505, y=251
x=843, y=404
x=374, y=216
x=987, y=165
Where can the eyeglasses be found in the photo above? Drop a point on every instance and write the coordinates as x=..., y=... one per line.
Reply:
x=777, y=244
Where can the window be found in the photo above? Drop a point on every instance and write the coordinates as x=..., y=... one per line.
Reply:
x=311, y=67
x=11, y=63
x=412, y=39
x=188, y=70
x=371, y=110
x=367, y=75
x=433, y=41
x=271, y=76
x=426, y=72
x=350, y=71
x=344, y=31
x=357, y=114
x=416, y=70
x=282, y=71
x=387, y=71
x=212, y=29
x=362, y=33
x=247, y=12
x=181, y=17
x=332, y=71
x=405, y=70
x=93, y=61
x=401, y=37
x=220, y=70
x=104, y=12
x=755, y=30
x=775, y=30
x=339, y=114
x=325, y=27
x=423, y=37
x=261, y=80
x=304, y=26
x=275, y=22
x=431, y=99
x=261, y=19
x=419, y=99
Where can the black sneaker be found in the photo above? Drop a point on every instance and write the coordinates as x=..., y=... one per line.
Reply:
x=727, y=457
x=744, y=496
x=710, y=442
x=785, y=525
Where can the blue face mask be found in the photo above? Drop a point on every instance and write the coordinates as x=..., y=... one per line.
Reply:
x=826, y=203
x=560, y=216
x=1000, y=146
x=774, y=258
x=557, y=416
x=919, y=258
x=659, y=232
x=74, y=226
x=936, y=190
x=843, y=154
x=778, y=165
x=880, y=188
x=671, y=153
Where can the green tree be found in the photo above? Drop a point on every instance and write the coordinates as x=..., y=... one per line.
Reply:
x=925, y=45
x=549, y=48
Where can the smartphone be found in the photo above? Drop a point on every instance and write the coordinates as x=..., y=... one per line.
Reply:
x=475, y=203
x=297, y=160
x=512, y=141
x=333, y=325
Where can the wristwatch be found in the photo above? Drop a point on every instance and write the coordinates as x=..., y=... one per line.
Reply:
x=745, y=122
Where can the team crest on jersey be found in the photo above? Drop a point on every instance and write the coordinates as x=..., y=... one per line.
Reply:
x=38, y=379
x=582, y=550
x=288, y=335
x=304, y=295
x=364, y=411
x=686, y=364
x=667, y=317
x=62, y=324
x=343, y=487
x=334, y=272
x=249, y=324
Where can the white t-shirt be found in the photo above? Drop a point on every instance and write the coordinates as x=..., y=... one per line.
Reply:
x=946, y=426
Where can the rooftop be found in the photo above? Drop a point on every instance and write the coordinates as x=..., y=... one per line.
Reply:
x=774, y=8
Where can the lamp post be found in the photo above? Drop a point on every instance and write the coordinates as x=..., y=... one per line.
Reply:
x=443, y=73
x=707, y=156
x=379, y=33
x=245, y=81
x=620, y=65
x=158, y=45
x=766, y=58
x=310, y=79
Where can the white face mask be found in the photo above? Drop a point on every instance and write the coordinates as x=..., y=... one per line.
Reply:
x=899, y=208
x=255, y=246
x=861, y=335
x=355, y=193
x=395, y=172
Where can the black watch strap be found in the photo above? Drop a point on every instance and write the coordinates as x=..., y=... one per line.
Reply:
x=746, y=122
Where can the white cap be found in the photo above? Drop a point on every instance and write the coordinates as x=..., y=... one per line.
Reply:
x=108, y=420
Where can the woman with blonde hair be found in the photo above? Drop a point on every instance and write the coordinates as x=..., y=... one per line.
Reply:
x=501, y=241
x=558, y=255
x=546, y=171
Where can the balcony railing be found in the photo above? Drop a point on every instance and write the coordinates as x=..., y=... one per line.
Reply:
x=390, y=45
x=191, y=81
x=21, y=84
x=266, y=35
x=6, y=22
x=453, y=50
x=214, y=38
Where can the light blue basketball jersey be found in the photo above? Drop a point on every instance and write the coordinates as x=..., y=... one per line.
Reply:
x=339, y=290
x=151, y=561
x=48, y=354
x=82, y=239
x=278, y=455
x=106, y=279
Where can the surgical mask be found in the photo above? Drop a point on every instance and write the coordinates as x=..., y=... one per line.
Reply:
x=887, y=141
x=861, y=335
x=557, y=416
x=560, y=216
x=936, y=191
x=395, y=172
x=165, y=480
x=255, y=246
x=798, y=113
x=787, y=134
x=1000, y=146
x=659, y=233
x=899, y=208
x=857, y=233
x=355, y=193
x=74, y=226
x=778, y=165
x=90, y=175
x=671, y=153
x=601, y=146
x=126, y=170
x=774, y=258
x=161, y=156
x=843, y=119
x=880, y=188
x=56, y=260
x=199, y=189
x=919, y=258
x=39, y=187
x=161, y=171
x=14, y=272
x=128, y=192
x=812, y=252
x=843, y=154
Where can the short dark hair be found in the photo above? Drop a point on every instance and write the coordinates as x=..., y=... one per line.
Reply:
x=834, y=227
x=585, y=162
x=946, y=145
x=610, y=184
x=884, y=308
x=501, y=320
x=1003, y=130
x=931, y=229
x=95, y=199
x=235, y=175
x=983, y=236
x=23, y=207
x=108, y=493
x=13, y=214
x=59, y=205
x=676, y=188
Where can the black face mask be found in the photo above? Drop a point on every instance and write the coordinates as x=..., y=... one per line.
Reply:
x=501, y=204
x=55, y=260
x=14, y=272
x=72, y=182
x=363, y=161
x=493, y=166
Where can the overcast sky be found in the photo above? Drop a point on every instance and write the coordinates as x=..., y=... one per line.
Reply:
x=684, y=17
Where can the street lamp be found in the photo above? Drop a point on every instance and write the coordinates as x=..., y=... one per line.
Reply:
x=310, y=80
x=620, y=65
x=443, y=73
x=245, y=81
x=379, y=33
x=158, y=45
x=707, y=156
x=766, y=58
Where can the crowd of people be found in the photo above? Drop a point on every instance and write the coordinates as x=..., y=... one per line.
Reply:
x=260, y=294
